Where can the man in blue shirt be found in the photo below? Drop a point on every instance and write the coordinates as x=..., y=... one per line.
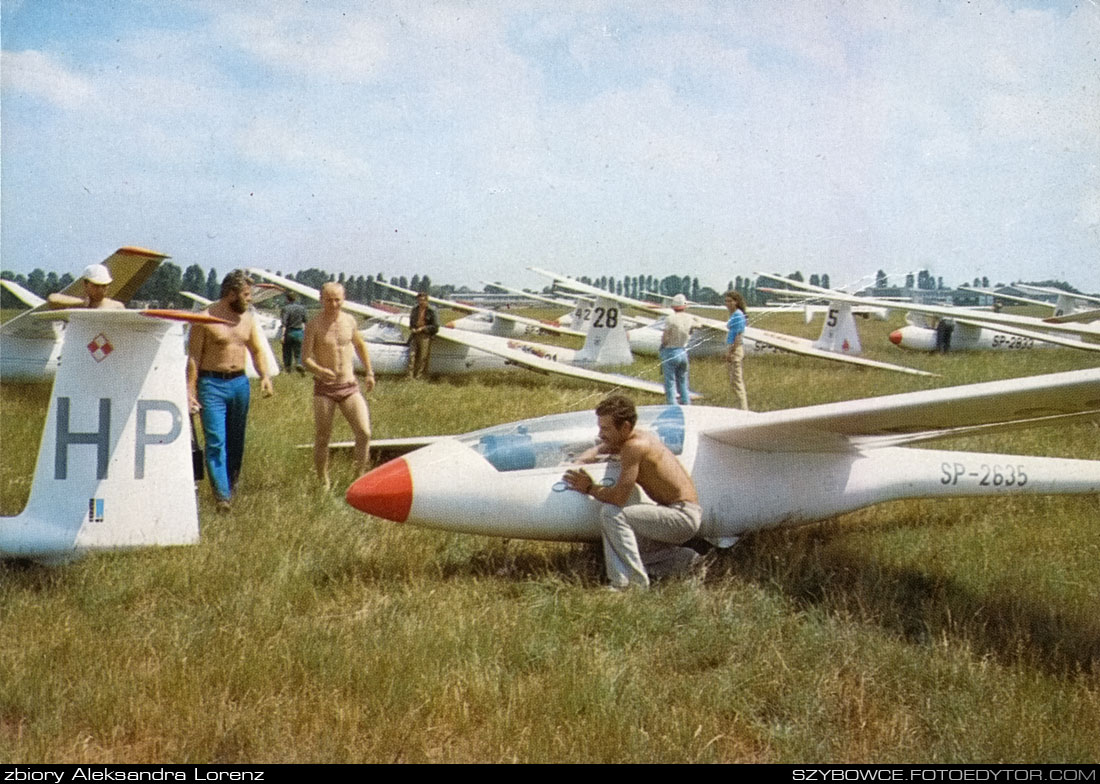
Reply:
x=735, y=349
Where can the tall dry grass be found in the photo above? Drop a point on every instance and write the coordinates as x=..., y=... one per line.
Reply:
x=300, y=630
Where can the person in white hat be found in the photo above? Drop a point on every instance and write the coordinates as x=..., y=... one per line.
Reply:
x=673, y=353
x=96, y=279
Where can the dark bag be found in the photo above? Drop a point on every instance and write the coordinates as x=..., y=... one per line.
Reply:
x=198, y=461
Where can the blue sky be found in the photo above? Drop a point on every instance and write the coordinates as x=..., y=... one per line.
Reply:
x=469, y=140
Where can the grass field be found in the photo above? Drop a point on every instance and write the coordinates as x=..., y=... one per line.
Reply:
x=302, y=631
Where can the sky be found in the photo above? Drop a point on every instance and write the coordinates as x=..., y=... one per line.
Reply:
x=470, y=140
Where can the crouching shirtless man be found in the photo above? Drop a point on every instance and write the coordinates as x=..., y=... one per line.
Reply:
x=331, y=337
x=640, y=536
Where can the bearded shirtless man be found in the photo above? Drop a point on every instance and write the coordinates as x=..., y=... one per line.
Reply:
x=327, y=351
x=639, y=536
x=217, y=385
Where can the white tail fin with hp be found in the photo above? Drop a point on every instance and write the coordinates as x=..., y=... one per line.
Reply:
x=839, y=333
x=606, y=342
x=114, y=466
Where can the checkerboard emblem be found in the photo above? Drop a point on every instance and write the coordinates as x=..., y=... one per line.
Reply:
x=100, y=347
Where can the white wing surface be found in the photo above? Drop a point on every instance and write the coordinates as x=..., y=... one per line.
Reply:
x=912, y=416
x=496, y=314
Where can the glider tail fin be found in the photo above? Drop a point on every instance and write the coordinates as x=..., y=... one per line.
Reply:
x=114, y=467
x=606, y=342
x=839, y=333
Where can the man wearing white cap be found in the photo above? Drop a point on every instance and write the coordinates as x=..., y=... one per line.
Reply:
x=673, y=353
x=96, y=279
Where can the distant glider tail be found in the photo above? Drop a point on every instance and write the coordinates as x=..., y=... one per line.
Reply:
x=606, y=342
x=839, y=333
x=114, y=466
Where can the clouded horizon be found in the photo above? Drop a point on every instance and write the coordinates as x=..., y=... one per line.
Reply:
x=470, y=140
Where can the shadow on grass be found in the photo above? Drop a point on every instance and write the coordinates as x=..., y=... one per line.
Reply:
x=578, y=564
x=915, y=605
x=26, y=575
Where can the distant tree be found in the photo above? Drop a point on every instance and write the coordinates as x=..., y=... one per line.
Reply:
x=65, y=281
x=815, y=279
x=414, y=284
x=881, y=280
x=619, y=287
x=825, y=280
x=796, y=275
x=213, y=285
x=977, y=282
x=425, y=284
x=312, y=277
x=163, y=286
x=36, y=282
x=910, y=282
x=940, y=282
x=708, y=296
x=695, y=289
x=985, y=282
x=51, y=283
x=685, y=286
x=193, y=280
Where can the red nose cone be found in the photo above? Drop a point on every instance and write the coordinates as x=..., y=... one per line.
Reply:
x=384, y=492
x=895, y=337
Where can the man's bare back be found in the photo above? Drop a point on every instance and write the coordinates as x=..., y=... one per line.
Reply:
x=659, y=472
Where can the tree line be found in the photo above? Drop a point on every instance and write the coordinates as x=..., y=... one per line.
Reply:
x=165, y=284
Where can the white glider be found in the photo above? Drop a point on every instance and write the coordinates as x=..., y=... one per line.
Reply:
x=459, y=351
x=838, y=343
x=752, y=470
x=975, y=329
x=487, y=321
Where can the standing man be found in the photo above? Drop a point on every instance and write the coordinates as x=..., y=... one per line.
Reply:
x=293, y=318
x=96, y=278
x=422, y=325
x=673, y=352
x=217, y=384
x=735, y=349
x=331, y=339
x=640, y=536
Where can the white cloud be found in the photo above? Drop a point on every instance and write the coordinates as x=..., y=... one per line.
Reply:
x=310, y=41
x=40, y=75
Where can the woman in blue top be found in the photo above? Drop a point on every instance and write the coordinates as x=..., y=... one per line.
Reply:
x=735, y=350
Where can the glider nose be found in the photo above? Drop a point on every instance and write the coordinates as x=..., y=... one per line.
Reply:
x=895, y=337
x=384, y=492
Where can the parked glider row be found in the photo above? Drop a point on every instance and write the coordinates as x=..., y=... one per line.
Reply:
x=114, y=466
x=973, y=329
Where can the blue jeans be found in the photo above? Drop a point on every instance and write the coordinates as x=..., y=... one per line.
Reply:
x=224, y=415
x=674, y=364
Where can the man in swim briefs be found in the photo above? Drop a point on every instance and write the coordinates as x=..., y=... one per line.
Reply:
x=330, y=343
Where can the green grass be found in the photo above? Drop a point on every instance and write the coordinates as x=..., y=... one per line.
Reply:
x=299, y=630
